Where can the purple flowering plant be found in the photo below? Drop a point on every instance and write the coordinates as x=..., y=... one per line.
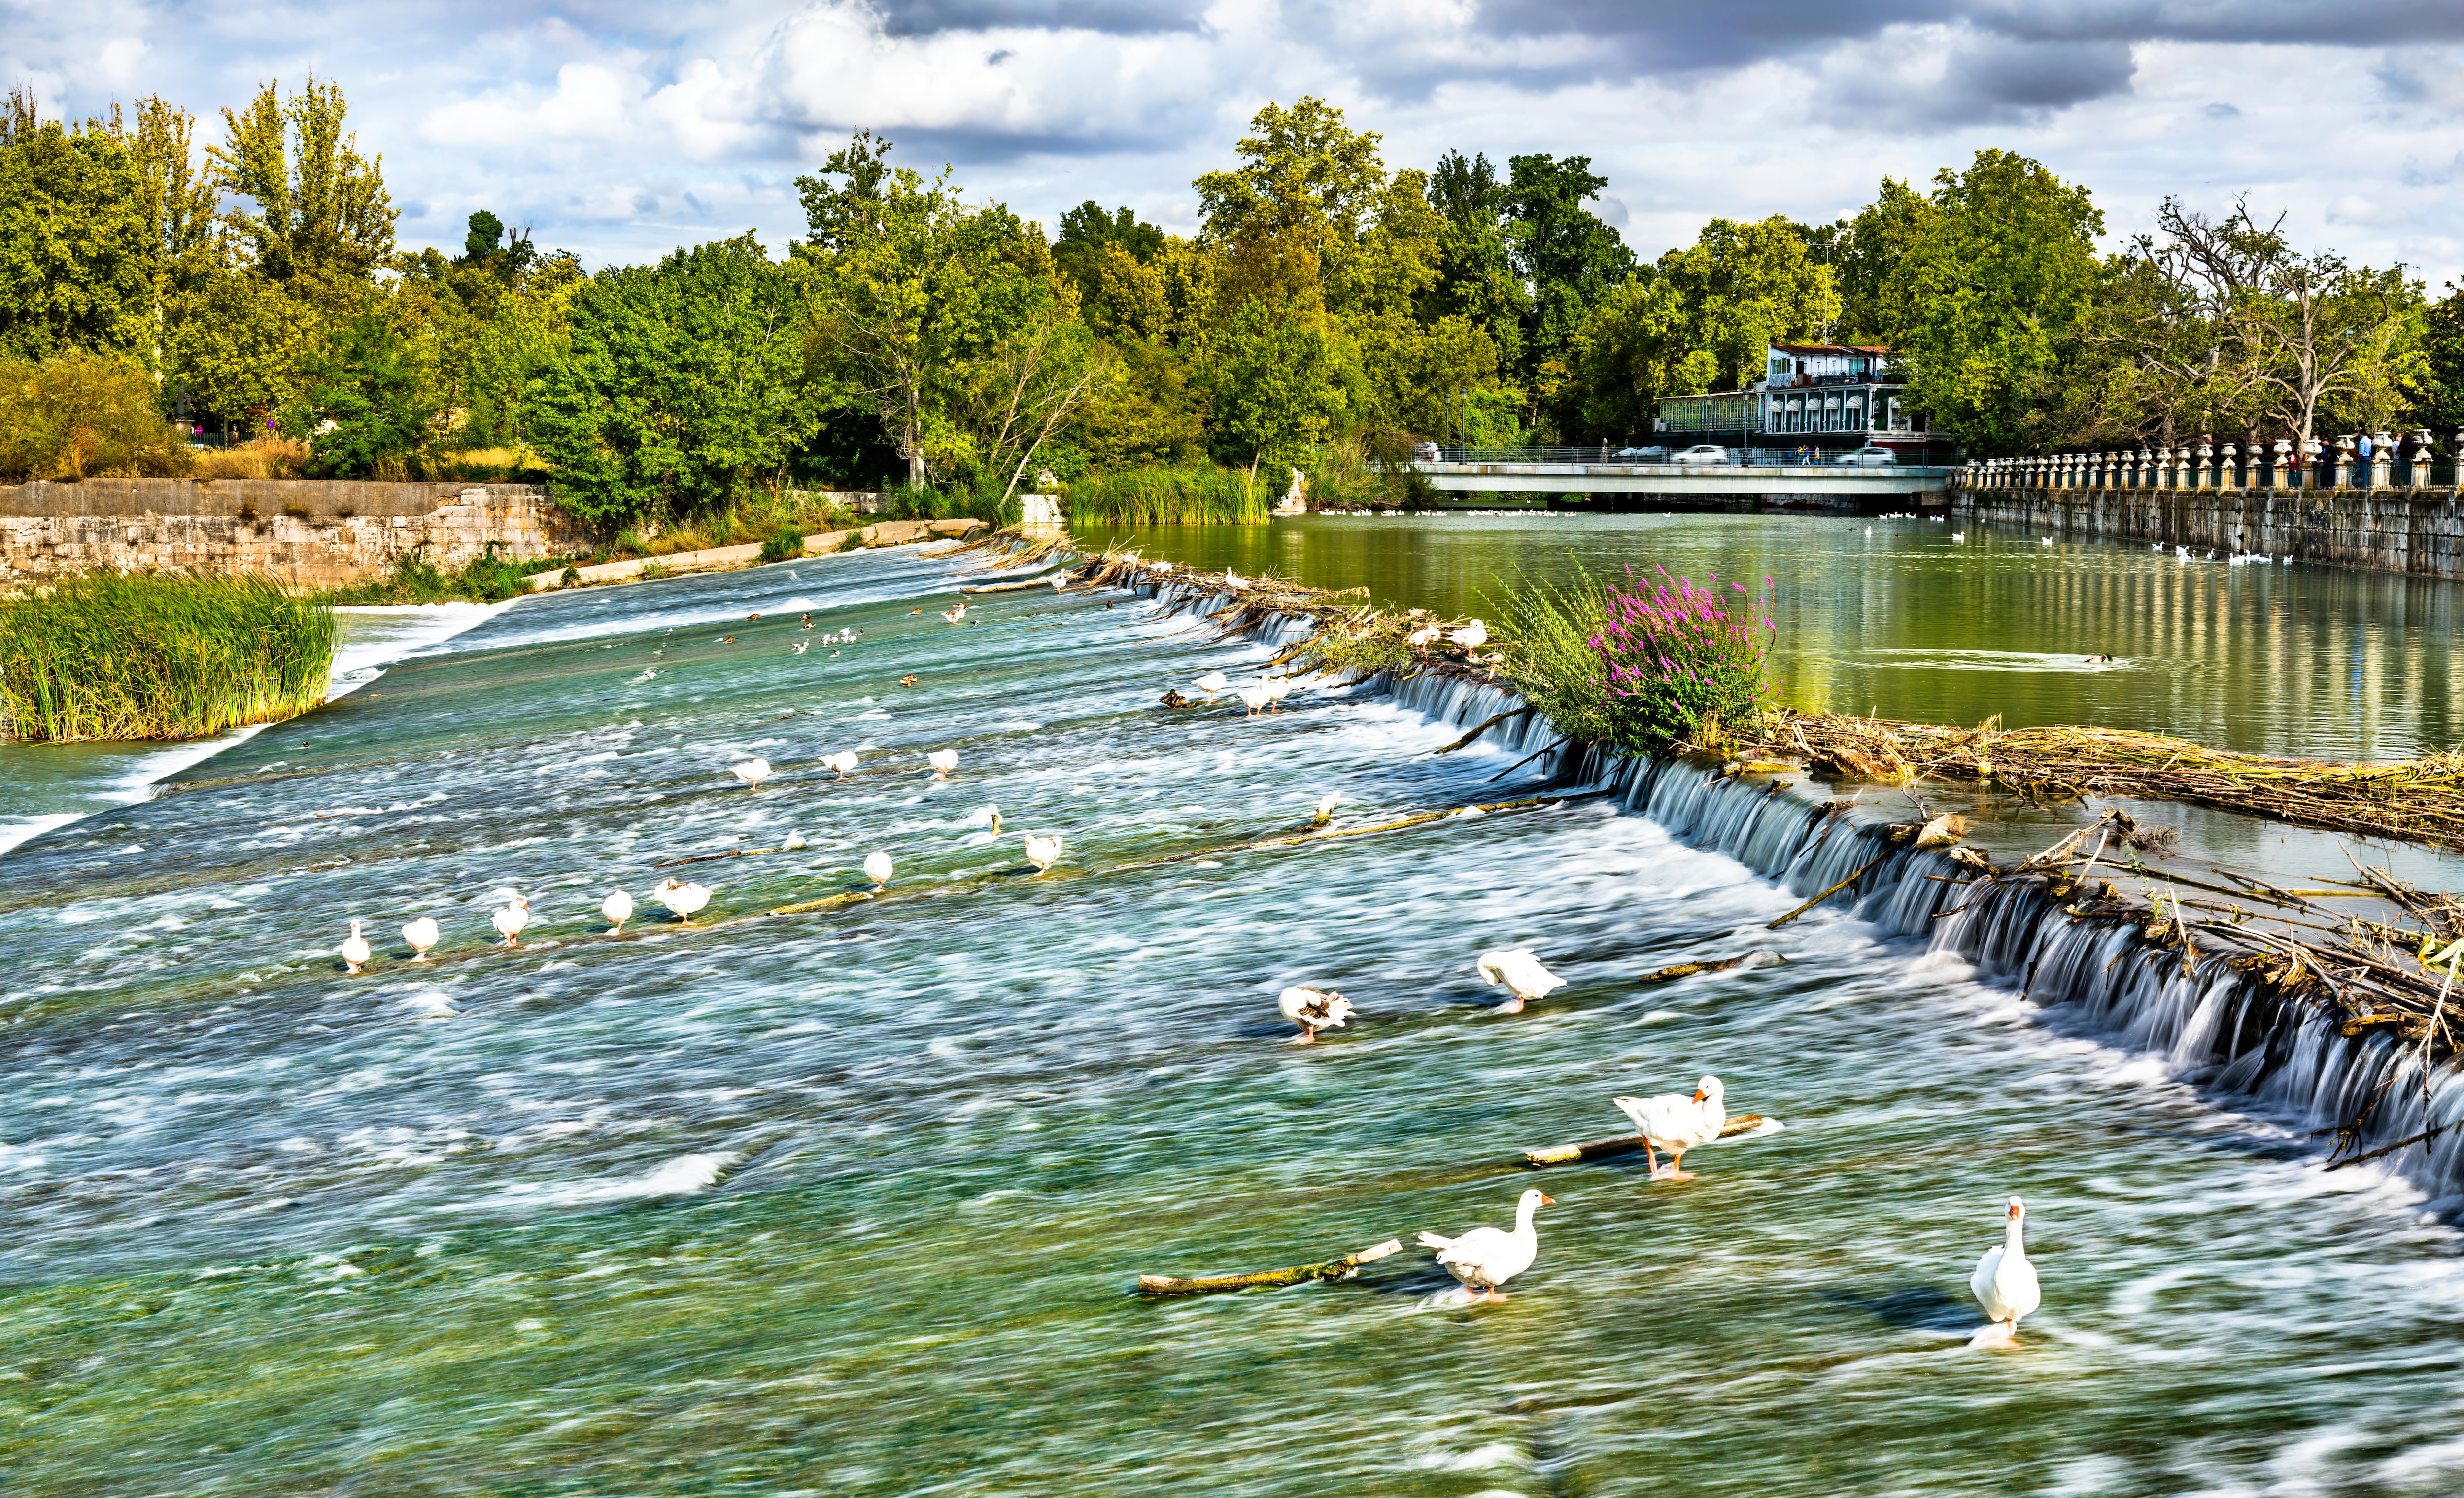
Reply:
x=1678, y=660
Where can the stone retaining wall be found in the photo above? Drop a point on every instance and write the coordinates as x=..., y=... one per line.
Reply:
x=308, y=534
x=2396, y=530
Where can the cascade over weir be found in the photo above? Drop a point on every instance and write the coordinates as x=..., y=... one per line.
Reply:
x=2229, y=1007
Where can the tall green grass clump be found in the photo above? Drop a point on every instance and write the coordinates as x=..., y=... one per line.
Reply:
x=1188, y=494
x=158, y=655
x=412, y=578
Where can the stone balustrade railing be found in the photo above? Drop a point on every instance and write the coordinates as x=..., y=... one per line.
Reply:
x=2407, y=462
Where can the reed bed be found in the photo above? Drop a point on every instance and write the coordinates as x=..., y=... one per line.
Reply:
x=1189, y=494
x=158, y=655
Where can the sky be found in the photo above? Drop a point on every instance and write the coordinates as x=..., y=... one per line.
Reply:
x=621, y=130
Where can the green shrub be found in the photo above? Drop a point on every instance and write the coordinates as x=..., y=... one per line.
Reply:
x=79, y=415
x=786, y=544
x=159, y=655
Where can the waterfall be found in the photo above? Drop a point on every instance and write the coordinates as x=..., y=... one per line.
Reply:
x=2224, y=1031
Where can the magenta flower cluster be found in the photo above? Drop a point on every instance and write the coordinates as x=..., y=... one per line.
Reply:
x=1674, y=653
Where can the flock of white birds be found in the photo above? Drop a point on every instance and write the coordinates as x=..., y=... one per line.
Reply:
x=1482, y=1260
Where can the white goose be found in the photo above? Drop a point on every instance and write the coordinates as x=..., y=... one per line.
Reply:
x=1234, y=580
x=618, y=908
x=1471, y=636
x=1213, y=682
x=355, y=949
x=1487, y=1257
x=2005, y=1285
x=1255, y=696
x=751, y=772
x=682, y=898
x=1677, y=1123
x=842, y=762
x=1424, y=637
x=422, y=934
x=1521, y=973
x=1313, y=1010
x=957, y=615
x=876, y=868
x=1042, y=851
x=1277, y=688
x=942, y=762
x=510, y=920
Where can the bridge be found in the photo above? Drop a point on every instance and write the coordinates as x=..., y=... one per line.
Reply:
x=1766, y=475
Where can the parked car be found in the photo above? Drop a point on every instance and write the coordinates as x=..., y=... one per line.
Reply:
x=1702, y=453
x=1868, y=457
x=1428, y=453
x=1641, y=456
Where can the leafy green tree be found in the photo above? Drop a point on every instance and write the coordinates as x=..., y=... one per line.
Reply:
x=1475, y=276
x=1569, y=260
x=682, y=384
x=1267, y=372
x=80, y=414
x=2000, y=265
x=913, y=287
x=75, y=258
x=366, y=407
x=320, y=208
x=1086, y=231
x=1291, y=221
x=2439, y=390
x=1700, y=320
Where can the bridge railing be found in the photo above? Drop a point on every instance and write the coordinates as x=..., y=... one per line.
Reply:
x=1626, y=457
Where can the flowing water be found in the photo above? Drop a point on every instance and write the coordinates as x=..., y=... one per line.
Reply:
x=853, y=1201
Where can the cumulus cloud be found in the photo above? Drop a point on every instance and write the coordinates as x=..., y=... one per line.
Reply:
x=623, y=130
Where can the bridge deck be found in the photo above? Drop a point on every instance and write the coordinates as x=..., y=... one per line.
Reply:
x=1706, y=479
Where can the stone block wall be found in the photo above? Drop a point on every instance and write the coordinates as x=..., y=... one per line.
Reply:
x=305, y=533
x=2392, y=529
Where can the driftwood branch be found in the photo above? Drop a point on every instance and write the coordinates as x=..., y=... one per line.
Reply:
x=1331, y=1269
x=1670, y=974
x=1485, y=728
x=1828, y=894
x=1624, y=1144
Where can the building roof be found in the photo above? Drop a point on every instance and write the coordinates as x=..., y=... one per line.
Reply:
x=1835, y=349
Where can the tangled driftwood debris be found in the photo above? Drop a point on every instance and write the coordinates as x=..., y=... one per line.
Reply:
x=1331, y=1269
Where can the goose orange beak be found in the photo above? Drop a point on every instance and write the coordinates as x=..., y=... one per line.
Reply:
x=1700, y=1094
x=1547, y=1200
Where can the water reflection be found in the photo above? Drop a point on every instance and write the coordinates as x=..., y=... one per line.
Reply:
x=1894, y=617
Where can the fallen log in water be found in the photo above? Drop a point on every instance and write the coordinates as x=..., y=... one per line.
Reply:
x=1629, y=1143
x=1331, y=1269
x=1671, y=973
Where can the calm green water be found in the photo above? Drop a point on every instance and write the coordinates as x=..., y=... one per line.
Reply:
x=853, y=1202
x=2288, y=659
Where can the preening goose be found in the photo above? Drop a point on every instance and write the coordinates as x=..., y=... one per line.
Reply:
x=422, y=934
x=511, y=919
x=1522, y=975
x=942, y=762
x=618, y=908
x=1213, y=682
x=1424, y=637
x=1487, y=1257
x=1042, y=851
x=2005, y=1285
x=1314, y=1010
x=842, y=762
x=355, y=949
x=876, y=868
x=1677, y=1123
x=682, y=897
x=751, y=772
x=1471, y=636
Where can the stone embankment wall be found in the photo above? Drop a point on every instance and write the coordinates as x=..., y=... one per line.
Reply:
x=2393, y=527
x=308, y=534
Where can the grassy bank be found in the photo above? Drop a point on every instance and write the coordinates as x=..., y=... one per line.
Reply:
x=158, y=655
x=1191, y=494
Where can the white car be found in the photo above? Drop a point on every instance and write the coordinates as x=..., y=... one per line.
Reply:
x=1868, y=458
x=1701, y=453
x=1641, y=456
x=1428, y=453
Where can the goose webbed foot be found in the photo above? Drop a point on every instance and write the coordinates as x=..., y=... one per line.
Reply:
x=1513, y=1006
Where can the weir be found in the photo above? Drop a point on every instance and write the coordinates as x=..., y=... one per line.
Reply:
x=2220, y=1027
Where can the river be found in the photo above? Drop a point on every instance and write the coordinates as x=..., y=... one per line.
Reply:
x=853, y=1202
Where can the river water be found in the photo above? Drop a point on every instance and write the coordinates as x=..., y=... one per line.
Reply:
x=853, y=1201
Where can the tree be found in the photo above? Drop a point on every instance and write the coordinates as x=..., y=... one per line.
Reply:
x=1267, y=372
x=1700, y=320
x=1568, y=258
x=1086, y=231
x=1290, y=220
x=1999, y=265
x=80, y=414
x=1033, y=383
x=367, y=406
x=912, y=287
x=682, y=382
x=2439, y=390
x=75, y=254
x=1476, y=279
x=321, y=207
